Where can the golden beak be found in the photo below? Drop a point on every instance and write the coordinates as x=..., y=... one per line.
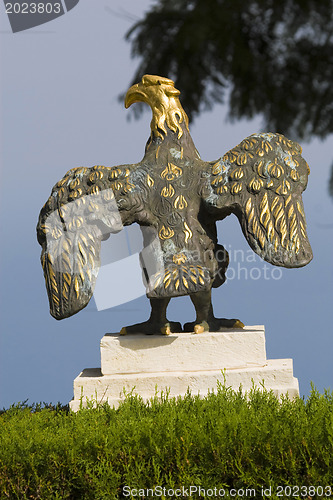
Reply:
x=135, y=94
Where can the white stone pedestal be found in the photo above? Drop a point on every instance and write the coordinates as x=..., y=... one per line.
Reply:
x=145, y=364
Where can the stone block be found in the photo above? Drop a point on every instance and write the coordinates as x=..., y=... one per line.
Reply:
x=146, y=365
x=183, y=351
x=92, y=384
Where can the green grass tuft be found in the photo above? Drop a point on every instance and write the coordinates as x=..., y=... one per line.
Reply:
x=225, y=440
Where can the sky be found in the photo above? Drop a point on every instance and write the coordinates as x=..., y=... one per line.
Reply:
x=59, y=88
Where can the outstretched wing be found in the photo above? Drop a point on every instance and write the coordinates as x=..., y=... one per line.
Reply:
x=85, y=206
x=261, y=181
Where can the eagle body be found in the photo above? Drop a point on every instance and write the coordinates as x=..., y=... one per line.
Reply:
x=170, y=185
x=176, y=198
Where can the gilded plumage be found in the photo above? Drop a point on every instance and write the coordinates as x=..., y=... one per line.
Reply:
x=176, y=198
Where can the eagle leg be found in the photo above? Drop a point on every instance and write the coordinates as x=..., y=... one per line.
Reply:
x=206, y=321
x=157, y=322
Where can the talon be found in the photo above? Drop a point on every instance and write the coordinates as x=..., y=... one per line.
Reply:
x=238, y=324
x=123, y=331
x=202, y=327
x=166, y=330
x=199, y=329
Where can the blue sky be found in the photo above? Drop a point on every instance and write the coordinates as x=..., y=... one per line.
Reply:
x=59, y=109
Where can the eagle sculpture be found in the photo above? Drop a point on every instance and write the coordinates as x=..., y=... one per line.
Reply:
x=176, y=198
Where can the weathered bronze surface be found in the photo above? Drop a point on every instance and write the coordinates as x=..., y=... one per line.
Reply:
x=176, y=198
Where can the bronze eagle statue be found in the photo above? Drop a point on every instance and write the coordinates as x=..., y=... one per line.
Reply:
x=176, y=198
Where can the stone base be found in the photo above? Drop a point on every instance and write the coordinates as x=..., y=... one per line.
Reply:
x=147, y=365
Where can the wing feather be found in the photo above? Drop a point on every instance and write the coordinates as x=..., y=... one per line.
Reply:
x=82, y=210
x=261, y=180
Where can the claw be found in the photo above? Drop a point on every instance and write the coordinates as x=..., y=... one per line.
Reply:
x=201, y=327
x=238, y=324
x=166, y=330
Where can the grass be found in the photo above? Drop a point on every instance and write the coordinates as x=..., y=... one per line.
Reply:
x=227, y=440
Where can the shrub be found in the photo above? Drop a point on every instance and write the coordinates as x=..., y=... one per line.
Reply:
x=227, y=440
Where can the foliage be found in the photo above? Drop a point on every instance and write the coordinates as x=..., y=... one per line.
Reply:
x=330, y=185
x=226, y=440
x=272, y=57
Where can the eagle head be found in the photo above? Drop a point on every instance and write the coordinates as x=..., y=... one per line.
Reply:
x=162, y=96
